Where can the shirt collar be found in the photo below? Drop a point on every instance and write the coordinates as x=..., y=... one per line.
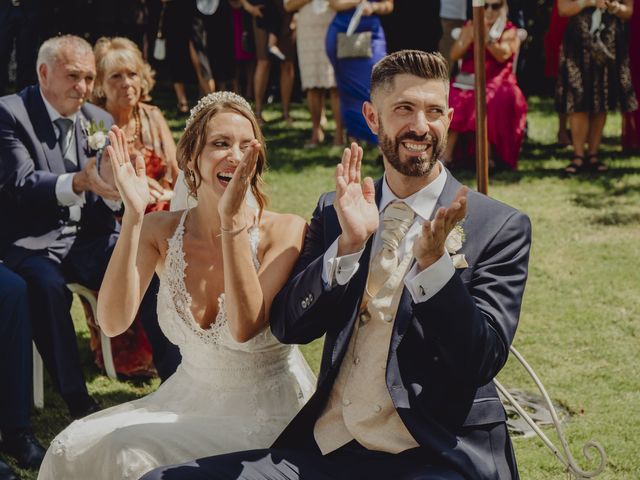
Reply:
x=423, y=201
x=53, y=113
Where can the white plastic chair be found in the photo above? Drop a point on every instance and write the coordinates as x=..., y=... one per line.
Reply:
x=105, y=342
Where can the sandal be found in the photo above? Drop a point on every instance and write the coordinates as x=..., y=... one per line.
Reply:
x=575, y=167
x=596, y=165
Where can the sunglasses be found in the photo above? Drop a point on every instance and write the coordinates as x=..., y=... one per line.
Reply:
x=493, y=6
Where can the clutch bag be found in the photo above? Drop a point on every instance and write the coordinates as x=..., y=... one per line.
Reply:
x=357, y=45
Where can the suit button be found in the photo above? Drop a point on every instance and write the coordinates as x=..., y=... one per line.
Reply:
x=356, y=360
x=304, y=304
x=310, y=298
x=388, y=318
x=346, y=402
x=364, y=318
x=436, y=358
x=377, y=409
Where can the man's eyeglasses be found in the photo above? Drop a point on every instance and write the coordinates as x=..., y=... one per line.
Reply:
x=493, y=6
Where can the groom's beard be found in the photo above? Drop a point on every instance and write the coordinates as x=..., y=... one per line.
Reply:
x=414, y=165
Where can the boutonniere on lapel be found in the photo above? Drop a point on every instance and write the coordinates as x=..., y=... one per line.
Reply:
x=96, y=134
x=453, y=243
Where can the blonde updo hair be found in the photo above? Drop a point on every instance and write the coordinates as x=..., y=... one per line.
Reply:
x=118, y=52
x=194, y=138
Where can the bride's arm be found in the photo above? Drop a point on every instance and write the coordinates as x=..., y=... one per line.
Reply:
x=135, y=255
x=248, y=295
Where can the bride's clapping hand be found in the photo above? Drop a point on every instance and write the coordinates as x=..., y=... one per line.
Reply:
x=232, y=202
x=131, y=180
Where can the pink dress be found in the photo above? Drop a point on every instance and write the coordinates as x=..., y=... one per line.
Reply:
x=506, y=107
x=631, y=120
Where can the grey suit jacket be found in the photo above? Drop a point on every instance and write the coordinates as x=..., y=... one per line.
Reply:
x=30, y=163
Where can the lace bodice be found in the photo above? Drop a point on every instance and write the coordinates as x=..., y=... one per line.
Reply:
x=214, y=347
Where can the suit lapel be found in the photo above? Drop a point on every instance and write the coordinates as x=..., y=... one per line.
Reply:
x=403, y=314
x=43, y=129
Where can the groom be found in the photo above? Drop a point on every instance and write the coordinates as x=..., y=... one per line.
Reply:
x=417, y=315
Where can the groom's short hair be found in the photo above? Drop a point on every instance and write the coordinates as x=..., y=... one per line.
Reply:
x=430, y=66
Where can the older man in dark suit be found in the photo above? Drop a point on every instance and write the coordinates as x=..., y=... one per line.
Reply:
x=56, y=224
x=416, y=283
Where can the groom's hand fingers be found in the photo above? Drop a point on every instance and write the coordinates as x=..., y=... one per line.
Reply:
x=341, y=185
x=368, y=190
x=354, y=162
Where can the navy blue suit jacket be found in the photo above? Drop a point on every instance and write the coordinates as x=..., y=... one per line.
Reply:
x=30, y=163
x=444, y=352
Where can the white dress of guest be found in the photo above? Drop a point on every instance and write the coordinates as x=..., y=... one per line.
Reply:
x=312, y=22
x=225, y=396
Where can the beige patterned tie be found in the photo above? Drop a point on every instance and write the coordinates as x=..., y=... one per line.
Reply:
x=397, y=219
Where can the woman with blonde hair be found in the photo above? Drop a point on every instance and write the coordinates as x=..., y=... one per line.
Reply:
x=220, y=265
x=123, y=85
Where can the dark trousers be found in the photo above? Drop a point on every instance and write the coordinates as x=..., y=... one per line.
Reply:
x=15, y=351
x=50, y=302
x=351, y=462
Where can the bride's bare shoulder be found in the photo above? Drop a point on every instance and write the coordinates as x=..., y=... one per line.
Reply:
x=160, y=226
x=282, y=227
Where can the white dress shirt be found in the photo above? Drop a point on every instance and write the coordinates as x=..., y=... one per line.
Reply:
x=64, y=184
x=422, y=285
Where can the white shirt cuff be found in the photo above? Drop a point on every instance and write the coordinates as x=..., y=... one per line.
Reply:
x=114, y=205
x=425, y=284
x=64, y=191
x=339, y=269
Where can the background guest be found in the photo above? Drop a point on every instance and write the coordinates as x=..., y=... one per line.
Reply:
x=413, y=25
x=285, y=44
x=453, y=14
x=15, y=375
x=58, y=221
x=186, y=49
x=20, y=24
x=219, y=29
x=594, y=75
x=552, y=42
x=243, y=49
x=353, y=75
x=316, y=72
x=123, y=83
x=631, y=120
x=506, y=104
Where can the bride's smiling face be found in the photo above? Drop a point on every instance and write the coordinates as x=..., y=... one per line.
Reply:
x=228, y=135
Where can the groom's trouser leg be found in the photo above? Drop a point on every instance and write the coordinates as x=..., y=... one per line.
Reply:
x=351, y=462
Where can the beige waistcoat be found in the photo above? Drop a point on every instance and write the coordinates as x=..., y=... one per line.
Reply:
x=359, y=405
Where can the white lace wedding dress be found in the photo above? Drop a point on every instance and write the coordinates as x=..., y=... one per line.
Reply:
x=225, y=396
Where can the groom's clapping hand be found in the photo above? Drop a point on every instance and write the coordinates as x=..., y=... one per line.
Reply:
x=355, y=203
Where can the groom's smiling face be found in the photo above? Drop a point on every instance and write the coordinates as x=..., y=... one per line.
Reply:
x=411, y=117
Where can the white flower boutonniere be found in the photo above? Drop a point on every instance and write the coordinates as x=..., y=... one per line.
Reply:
x=96, y=136
x=453, y=243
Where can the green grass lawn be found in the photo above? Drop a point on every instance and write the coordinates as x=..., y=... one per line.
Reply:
x=580, y=325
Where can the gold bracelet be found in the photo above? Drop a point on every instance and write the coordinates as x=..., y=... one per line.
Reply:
x=231, y=231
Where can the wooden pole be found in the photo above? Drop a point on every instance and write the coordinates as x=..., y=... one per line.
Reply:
x=482, y=145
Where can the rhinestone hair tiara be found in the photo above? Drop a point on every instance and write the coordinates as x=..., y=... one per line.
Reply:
x=214, y=98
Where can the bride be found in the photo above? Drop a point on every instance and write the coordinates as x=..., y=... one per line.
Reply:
x=220, y=265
